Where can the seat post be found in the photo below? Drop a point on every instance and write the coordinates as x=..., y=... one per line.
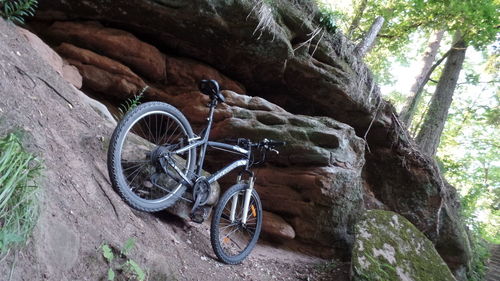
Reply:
x=203, y=148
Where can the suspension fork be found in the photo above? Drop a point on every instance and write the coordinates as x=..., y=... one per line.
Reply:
x=246, y=202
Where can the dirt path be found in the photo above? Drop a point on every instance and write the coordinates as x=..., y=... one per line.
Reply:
x=494, y=264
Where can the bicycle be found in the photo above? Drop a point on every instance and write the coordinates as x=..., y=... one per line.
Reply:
x=151, y=163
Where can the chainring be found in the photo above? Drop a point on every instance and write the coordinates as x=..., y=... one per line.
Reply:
x=201, y=191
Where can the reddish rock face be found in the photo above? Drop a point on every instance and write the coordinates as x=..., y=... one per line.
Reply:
x=321, y=78
x=114, y=43
x=303, y=190
x=102, y=74
x=185, y=74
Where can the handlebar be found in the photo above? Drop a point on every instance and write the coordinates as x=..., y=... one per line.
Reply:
x=271, y=143
x=265, y=143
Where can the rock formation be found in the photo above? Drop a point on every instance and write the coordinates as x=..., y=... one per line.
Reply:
x=388, y=247
x=287, y=58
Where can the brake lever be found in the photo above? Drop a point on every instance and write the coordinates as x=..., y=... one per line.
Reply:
x=274, y=150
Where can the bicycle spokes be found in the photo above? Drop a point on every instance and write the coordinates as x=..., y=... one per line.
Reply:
x=146, y=143
x=234, y=234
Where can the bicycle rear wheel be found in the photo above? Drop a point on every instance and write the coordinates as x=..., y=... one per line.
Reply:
x=232, y=241
x=136, y=163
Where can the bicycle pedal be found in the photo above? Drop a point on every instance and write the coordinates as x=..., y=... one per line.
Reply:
x=198, y=215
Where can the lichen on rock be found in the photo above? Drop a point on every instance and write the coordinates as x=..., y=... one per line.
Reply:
x=388, y=247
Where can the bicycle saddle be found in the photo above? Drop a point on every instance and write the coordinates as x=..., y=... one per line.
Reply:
x=211, y=89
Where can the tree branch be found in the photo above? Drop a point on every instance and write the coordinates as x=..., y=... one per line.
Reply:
x=368, y=41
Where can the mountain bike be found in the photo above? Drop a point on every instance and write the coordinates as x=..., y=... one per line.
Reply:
x=152, y=163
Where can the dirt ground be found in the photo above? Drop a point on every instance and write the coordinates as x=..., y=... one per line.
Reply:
x=80, y=211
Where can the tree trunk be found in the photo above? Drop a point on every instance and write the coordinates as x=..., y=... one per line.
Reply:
x=429, y=135
x=357, y=17
x=408, y=111
x=367, y=43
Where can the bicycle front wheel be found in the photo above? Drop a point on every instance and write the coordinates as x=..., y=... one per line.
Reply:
x=232, y=240
x=136, y=157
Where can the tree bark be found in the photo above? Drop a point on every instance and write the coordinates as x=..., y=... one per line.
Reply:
x=357, y=17
x=408, y=111
x=366, y=44
x=429, y=135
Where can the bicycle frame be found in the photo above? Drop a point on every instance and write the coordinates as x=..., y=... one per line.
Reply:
x=202, y=141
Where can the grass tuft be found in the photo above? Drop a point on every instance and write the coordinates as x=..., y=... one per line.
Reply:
x=18, y=193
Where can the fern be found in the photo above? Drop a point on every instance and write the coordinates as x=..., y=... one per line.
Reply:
x=16, y=10
x=130, y=103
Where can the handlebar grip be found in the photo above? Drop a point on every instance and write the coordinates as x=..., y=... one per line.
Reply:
x=276, y=143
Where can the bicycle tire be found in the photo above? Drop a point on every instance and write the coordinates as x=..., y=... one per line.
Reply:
x=222, y=246
x=148, y=128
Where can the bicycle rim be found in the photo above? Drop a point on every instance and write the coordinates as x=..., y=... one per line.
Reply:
x=236, y=239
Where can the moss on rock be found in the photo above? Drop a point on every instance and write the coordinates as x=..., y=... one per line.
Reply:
x=388, y=247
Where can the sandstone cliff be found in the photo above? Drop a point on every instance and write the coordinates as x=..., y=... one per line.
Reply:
x=347, y=148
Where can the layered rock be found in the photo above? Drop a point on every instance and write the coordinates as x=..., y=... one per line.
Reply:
x=315, y=183
x=288, y=59
x=388, y=247
x=319, y=171
x=102, y=74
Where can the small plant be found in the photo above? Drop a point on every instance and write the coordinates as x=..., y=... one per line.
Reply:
x=328, y=18
x=327, y=266
x=18, y=193
x=120, y=264
x=131, y=103
x=16, y=10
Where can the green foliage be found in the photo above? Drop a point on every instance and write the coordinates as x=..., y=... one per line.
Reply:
x=328, y=17
x=131, y=268
x=18, y=192
x=469, y=152
x=480, y=256
x=111, y=274
x=131, y=103
x=120, y=264
x=107, y=253
x=129, y=245
x=16, y=10
x=477, y=20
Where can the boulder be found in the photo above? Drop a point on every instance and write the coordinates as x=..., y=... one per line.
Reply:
x=314, y=184
x=388, y=247
x=275, y=226
x=68, y=72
